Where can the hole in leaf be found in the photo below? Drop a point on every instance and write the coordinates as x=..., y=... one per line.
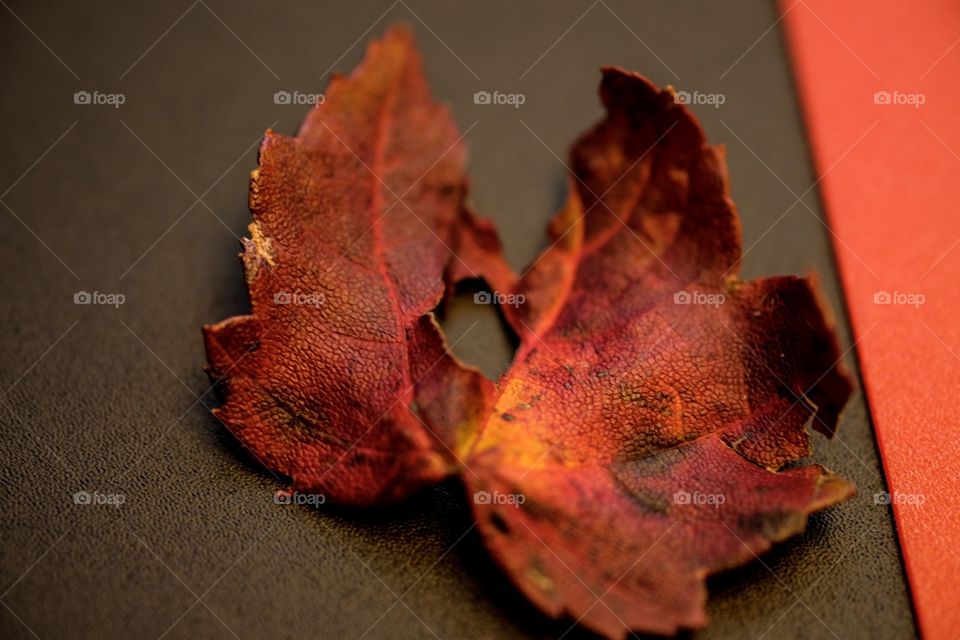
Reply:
x=475, y=330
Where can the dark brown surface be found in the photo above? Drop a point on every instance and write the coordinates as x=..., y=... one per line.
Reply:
x=102, y=399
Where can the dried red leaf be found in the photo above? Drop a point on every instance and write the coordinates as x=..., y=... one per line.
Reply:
x=649, y=429
x=356, y=221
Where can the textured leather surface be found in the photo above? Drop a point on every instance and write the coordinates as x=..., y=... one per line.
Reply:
x=104, y=399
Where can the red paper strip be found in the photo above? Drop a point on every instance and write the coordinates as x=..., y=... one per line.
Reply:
x=880, y=85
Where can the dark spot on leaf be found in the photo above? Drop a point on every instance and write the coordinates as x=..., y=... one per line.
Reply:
x=499, y=524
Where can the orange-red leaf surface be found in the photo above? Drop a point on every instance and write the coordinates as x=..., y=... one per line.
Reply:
x=650, y=429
